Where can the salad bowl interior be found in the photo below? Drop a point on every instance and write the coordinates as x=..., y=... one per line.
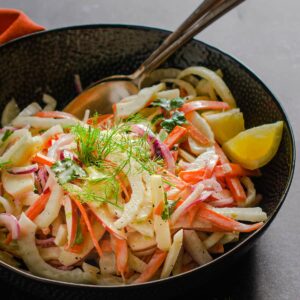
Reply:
x=46, y=63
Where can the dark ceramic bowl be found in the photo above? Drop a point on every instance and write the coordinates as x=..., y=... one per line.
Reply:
x=47, y=62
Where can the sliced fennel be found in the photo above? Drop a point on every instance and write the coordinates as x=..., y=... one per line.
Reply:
x=37, y=265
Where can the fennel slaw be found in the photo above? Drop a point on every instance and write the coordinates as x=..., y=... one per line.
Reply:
x=140, y=194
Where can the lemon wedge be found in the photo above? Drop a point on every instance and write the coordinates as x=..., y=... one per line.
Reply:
x=226, y=125
x=255, y=147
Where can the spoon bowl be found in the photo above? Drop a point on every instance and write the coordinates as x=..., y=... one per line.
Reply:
x=100, y=98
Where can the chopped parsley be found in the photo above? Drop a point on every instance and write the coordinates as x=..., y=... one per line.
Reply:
x=170, y=206
x=157, y=118
x=177, y=118
x=176, y=103
x=67, y=170
x=79, y=235
x=165, y=215
x=168, y=104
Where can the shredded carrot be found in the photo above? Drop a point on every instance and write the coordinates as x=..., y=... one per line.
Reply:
x=121, y=252
x=196, y=134
x=192, y=176
x=77, y=248
x=175, y=136
x=100, y=120
x=224, y=223
x=106, y=245
x=158, y=210
x=219, y=151
x=48, y=143
x=174, y=180
x=152, y=267
x=204, y=105
x=54, y=114
x=224, y=194
x=43, y=160
x=236, y=189
x=38, y=206
x=185, y=192
x=114, y=108
x=195, y=175
x=179, y=202
x=152, y=98
x=217, y=249
x=89, y=226
x=192, y=212
x=234, y=170
x=175, y=154
x=233, y=183
x=210, y=167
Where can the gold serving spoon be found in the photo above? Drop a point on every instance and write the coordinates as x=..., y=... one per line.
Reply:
x=100, y=96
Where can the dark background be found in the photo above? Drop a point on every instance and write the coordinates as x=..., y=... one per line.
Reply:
x=265, y=35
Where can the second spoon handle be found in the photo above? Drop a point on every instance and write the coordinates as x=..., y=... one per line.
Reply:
x=208, y=12
x=199, y=12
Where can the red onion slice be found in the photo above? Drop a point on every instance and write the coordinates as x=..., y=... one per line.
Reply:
x=204, y=196
x=23, y=170
x=51, y=180
x=140, y=130
x=68, y=154
x=58, y=265
x=46, y=243
x=157, y=147
x=38, y=184
x=212, y=184
x=226, y=202
x=62, y=141
x=11, y=223
x=42, y=177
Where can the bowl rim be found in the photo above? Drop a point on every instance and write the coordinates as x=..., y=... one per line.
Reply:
x=237, y=247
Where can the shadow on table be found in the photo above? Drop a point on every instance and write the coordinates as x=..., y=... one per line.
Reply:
x=237, y=282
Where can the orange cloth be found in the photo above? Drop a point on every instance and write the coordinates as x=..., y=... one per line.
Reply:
x=14, y=23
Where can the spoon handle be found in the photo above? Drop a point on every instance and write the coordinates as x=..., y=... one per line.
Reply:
x=208, y=12
x=200, y=11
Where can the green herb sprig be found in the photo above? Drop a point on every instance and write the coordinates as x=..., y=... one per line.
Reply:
x=86, y=195
x=177, y=118
x=4, y=165
x=168, y=104
x=6, y=135
x=169, y=208
x=95, y=145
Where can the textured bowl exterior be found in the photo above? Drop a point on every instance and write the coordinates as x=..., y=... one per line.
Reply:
x=47, y=62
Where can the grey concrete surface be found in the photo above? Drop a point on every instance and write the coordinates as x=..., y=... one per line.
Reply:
x=265, y=35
